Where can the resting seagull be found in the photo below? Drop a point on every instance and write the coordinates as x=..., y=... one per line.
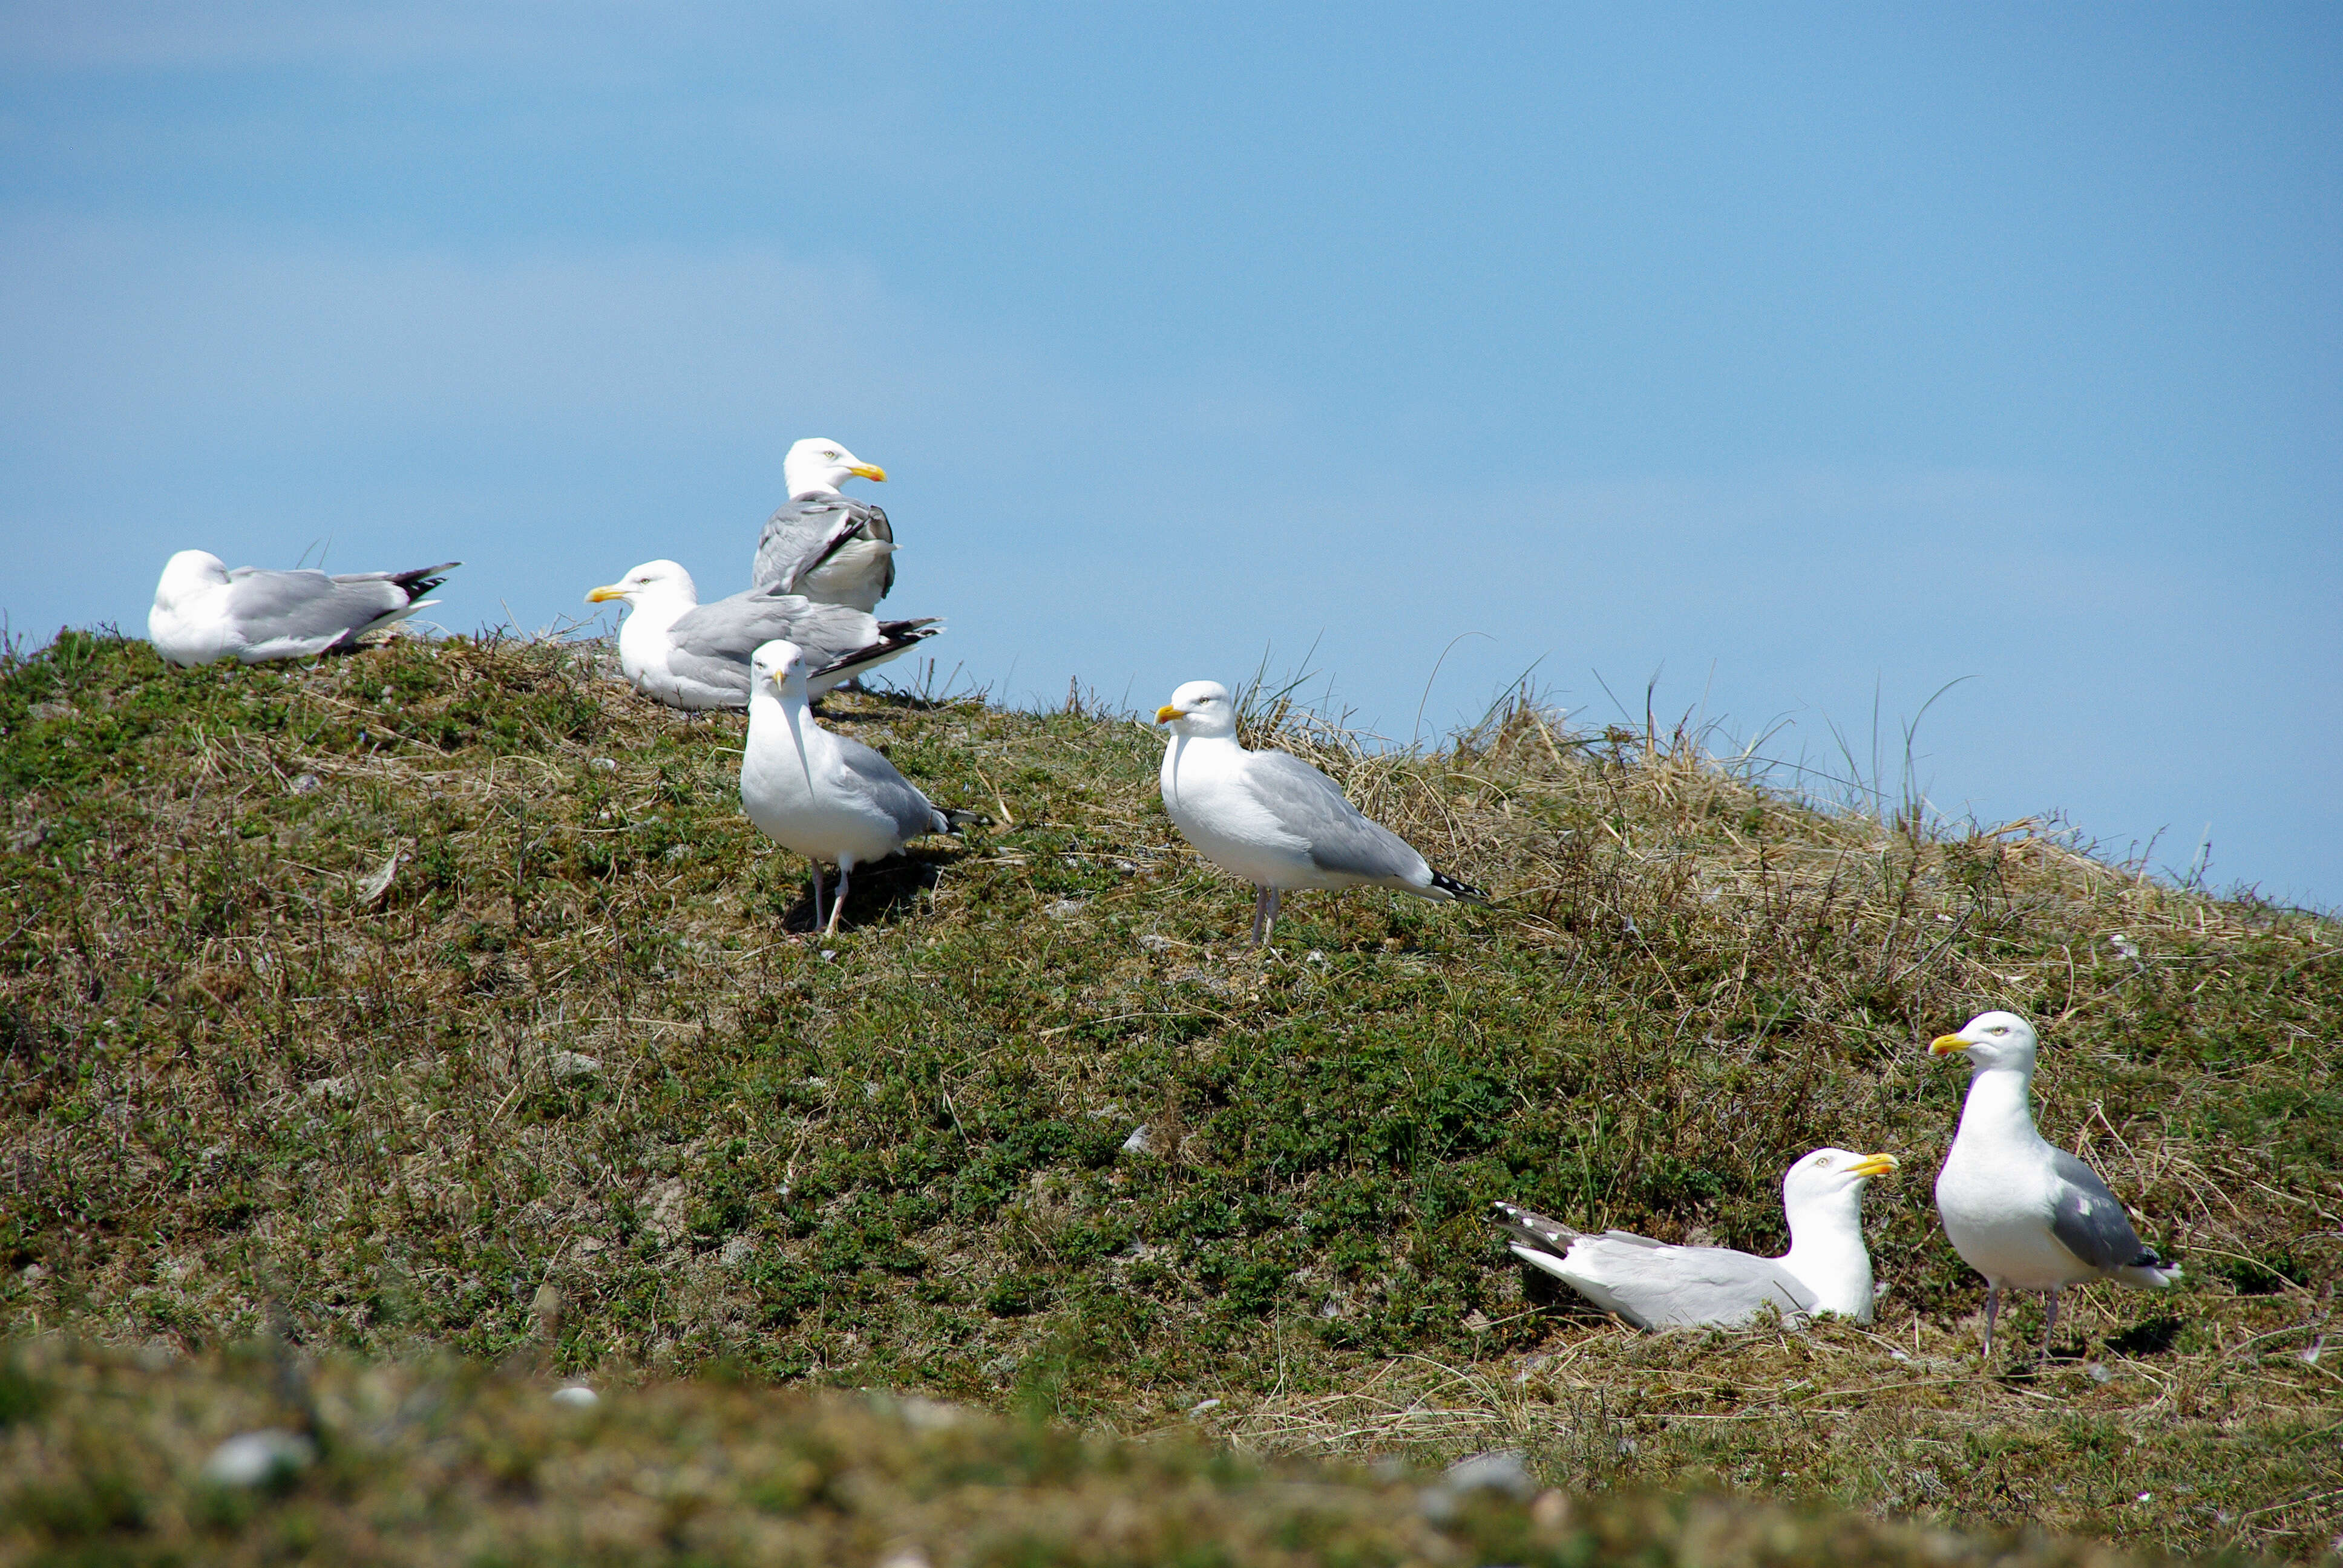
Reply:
x=203, y=612
x=1655, y=1285
x=1273, y=819
x=2023, y=1212
x=828, y=797
x=695, y=656
x=831, y=547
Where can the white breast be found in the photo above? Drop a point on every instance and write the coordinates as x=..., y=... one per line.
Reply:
x=1997, y=1213
x=823, y=818
x=1204, y=792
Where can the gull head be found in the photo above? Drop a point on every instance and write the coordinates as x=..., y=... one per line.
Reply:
x=1828, y=1172
x=818, y=466
x=1200, y=708
x=189, y=572
x=778, y=665
x=1991, y=1040
x=648, y=580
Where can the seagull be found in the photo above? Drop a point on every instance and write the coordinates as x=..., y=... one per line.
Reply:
x=203, y=612
x=827, y=796
x=1653, y=1285
x=1273, y=819
x=831, y=547
x=2023, y=1212
x=694, y=655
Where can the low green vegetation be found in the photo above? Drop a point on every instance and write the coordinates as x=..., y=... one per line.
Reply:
x=440, y=1000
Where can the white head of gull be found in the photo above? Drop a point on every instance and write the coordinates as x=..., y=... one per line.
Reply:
x=1273, y=819
x=203, y=612
x=2023, y=1212
x=828, y=797
x=1655, y=1285
x=694, y=656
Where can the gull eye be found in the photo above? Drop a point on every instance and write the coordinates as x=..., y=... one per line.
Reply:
x=1823, y=1163
x=2001, y=1029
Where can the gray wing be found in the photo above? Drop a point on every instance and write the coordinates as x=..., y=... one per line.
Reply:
x=892, y=793
x=803, y=534
x=308, y=607
x=1312, y=806
x=711, y=645
x=2089, y=1221
x=1663, y=1286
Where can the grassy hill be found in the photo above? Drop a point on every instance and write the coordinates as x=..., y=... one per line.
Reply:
x=442, y=997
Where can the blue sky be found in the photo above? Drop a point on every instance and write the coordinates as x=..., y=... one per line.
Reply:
x=1807, y=358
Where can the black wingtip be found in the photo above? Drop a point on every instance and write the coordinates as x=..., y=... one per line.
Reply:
x=895, y=636
x=1464, y=891
x=1527, y=1226
x=423, y=579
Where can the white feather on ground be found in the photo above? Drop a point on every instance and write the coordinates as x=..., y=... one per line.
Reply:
x=1273, y=819
x=695, y=657
x=204, y=613
x=2020, y=1211
x=1655, y=1285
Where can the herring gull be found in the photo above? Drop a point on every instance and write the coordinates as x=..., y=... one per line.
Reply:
x=828, y=797
x=1653, y=1285
x=203, y=612
x=1273, y=819
x=831, y=547
x=2020, y=1211
x=695, y=657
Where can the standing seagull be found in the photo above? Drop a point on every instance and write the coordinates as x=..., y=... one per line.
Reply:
x=203, y=612
x=1273, y=819
x=831, y=547
x=827, y=796
x=1653, y=1285
x=694, y=655
x=2023, y=1212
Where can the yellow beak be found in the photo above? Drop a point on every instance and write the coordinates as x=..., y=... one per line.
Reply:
x=868, y=471
x=1875, y=1165
x=1167, y=713
x=607, y=592
x=1946, y=1044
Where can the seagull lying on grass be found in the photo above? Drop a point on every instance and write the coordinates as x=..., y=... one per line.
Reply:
x=827, y=796
x=695, y=657
x=203, y=612
x=2023, y=1212
x=828, y=547
x=1273, y=819
x=1655, y=1285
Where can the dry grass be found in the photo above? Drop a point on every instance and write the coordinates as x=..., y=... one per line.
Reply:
x=429, y=1462
x=576, y=1039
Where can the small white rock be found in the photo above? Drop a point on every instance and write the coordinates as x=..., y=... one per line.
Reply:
x=573, y=1064
x=1064, y=909
x=306, y=784
x=1155, y=944
x=258, y=1458
x=577, y=1395
x=606, y=765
